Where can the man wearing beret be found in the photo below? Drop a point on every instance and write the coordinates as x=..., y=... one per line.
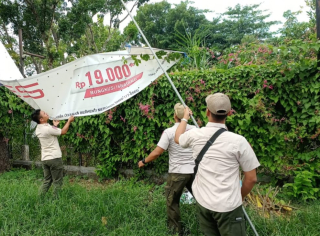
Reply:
x=217, y=185
x=181, y=165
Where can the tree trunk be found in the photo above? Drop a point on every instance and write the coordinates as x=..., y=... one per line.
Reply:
x=4, y=156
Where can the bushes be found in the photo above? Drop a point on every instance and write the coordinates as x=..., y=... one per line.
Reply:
x=14, y=114
x=276, y=107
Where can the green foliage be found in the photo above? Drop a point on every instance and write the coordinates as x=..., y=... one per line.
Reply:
x=276, y=108
x=117, y=208
x=292, y=28
x=13, y=115
x=244, y=20
x=98, y=38
x=287, y=53
x=57, y=29
x=303, y=186
x=160, y=21
x=198, y=57
x=131, y=34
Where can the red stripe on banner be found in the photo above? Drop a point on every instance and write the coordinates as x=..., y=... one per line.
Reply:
x=99, y=91
x=8, y=86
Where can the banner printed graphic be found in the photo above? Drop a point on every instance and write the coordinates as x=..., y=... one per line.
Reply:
x=87, y=86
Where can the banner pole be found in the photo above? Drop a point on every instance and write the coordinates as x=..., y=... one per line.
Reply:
x=154, y=54
x=177, y=92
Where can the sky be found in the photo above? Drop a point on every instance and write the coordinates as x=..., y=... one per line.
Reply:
x=276, y=8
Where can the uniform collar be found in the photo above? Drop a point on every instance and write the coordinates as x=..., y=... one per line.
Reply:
x=44, y=124
x=217, y=125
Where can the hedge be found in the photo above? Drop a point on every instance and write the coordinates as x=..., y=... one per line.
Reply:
x=276, y=107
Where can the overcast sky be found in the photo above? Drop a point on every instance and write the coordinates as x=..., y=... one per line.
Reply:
x=276, y=8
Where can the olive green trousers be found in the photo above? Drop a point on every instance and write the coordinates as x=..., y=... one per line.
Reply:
x=173, y=191
x=222, y=224
x=53, y=175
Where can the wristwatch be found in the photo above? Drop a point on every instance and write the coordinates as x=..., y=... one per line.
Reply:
x=185, y=120
x=144, y=161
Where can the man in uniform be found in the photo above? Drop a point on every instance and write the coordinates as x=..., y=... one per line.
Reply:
x=217, y=185
x=181, y=167
x=51, y=156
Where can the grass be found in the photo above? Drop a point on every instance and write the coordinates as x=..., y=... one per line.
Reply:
x=125, y=207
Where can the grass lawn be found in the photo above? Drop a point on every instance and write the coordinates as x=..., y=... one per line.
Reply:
x=122, y=207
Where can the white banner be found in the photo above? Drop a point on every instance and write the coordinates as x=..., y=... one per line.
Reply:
x=87, y=86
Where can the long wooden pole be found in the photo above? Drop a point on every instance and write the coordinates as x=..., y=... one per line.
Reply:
x=21, y=53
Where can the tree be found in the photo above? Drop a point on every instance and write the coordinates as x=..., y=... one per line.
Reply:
x=186, y=19
x=292, y=28
x=160, y=22
x=152, y=21
x=312, y=11
x=131, y=34
x=4, y=156
x=244, y=20
x=36, y=19
x=98, y=38
x=54, y=27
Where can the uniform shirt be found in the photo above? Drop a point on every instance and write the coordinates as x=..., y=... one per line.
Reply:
x=47, y=135
x=180, y=159
x=217, y=184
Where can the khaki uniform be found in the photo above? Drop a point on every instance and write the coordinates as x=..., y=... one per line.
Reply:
x=181, y=165
x=217, y=185
x=51, y=157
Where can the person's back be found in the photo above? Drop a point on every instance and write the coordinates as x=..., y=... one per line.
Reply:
x=180, y=159
x=220, y=165
x=217, y=185
x=181, y=168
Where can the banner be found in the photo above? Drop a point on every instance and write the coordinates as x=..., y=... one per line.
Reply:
x=8, y=69
x=87, y=86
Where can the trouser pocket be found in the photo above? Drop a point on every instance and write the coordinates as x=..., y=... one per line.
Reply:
x=238, y=227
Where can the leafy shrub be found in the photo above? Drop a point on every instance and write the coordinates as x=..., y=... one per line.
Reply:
x=303, y=186
x=275, y=106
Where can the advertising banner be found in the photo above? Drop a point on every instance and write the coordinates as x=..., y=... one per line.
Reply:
x=86, y=86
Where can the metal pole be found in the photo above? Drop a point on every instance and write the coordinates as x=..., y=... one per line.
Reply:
x=250, y=222
x=164, y=71
x=21, y=53
x=318, y=26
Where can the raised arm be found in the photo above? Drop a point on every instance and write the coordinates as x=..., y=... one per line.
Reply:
x=67, y=125
x=183, y=125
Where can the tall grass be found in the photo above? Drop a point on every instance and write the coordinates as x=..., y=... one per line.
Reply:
x=125, y=207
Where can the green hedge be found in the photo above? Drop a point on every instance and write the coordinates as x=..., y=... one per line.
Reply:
x=276, y=107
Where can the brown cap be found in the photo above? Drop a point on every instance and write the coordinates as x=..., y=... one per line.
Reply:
x=218, y=104
x=179, y=110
